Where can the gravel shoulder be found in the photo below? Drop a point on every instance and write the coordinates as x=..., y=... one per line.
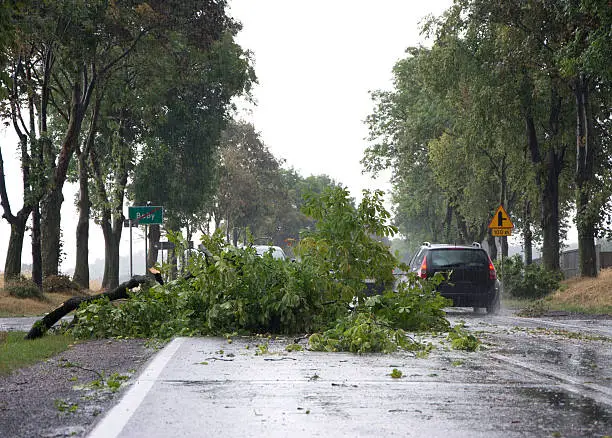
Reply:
x=65, y=395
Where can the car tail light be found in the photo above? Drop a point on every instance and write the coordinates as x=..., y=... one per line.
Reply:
x=422, y=272
x=492, y=273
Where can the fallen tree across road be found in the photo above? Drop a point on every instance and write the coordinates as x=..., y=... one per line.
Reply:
x=41, y=326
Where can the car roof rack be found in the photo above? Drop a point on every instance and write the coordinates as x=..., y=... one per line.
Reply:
x=476, y=245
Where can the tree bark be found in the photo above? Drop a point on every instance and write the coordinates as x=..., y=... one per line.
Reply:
x=492, y=247
x=587, y=251
x=81, y=268
x=548, y=169
x=503, y=200
x=51, y=231
x=52, y=202
x=504, y=246
x=37, y=275
x=587, y=212
x=43, y=147
x=550, y=214
x=448, y=222
x=154, y=236
x=527, y=234
x=41, y=326
x=12, y=266
x=235, y=236
x=112, y=237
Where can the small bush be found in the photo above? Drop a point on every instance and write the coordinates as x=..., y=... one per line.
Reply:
x=59, y=283
x=528, y=281
x=24, y=288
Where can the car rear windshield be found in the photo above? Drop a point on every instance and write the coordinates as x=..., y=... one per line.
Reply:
x=457, y=257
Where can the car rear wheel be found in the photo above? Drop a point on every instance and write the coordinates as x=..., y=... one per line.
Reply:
x=493, y=307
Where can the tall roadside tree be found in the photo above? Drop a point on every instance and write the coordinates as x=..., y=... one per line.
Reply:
x=127, y=95
x=451, y=153
x=585, y=65
x=62, y=50
x=529, y=41
x=481, y=160
x=8, y=36
x=487, y=105
x=561, y=49
x=26, y=83
x=71, y=49
x=168, y=84
x=249, y=184
x=402, y=124
x=189, y=106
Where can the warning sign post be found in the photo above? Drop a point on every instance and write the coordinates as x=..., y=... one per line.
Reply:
x=501, y=225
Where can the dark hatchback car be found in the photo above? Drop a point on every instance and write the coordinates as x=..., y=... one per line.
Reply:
x=470, y=277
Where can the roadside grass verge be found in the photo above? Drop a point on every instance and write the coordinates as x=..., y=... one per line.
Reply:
x=16, y=352
x=12, y=306
x=549, y=304
x=591, y=296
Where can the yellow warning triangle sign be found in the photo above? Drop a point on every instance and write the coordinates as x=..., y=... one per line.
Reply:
x=501, y=219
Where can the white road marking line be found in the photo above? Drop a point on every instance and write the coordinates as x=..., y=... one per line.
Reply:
x=115, y=420
x=536, y=322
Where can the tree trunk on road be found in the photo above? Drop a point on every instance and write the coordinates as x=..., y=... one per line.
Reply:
x=41, y=326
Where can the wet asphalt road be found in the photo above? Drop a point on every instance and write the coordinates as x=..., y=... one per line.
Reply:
x=531, y=378
x=23, y=324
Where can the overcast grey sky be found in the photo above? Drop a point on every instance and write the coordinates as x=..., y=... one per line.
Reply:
x=316, y=62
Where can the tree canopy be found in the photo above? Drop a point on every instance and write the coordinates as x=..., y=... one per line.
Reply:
x=486, y=116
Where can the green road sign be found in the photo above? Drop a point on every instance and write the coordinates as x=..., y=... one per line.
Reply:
x=149, y=214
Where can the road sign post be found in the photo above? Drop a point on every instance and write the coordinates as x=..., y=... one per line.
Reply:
x=146, y=215
x=501, y=226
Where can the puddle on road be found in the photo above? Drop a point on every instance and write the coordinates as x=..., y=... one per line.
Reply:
x=578, y=413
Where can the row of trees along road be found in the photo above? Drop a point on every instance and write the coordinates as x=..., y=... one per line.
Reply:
x=132, y=101
x=511, y=106
x=124, y=87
